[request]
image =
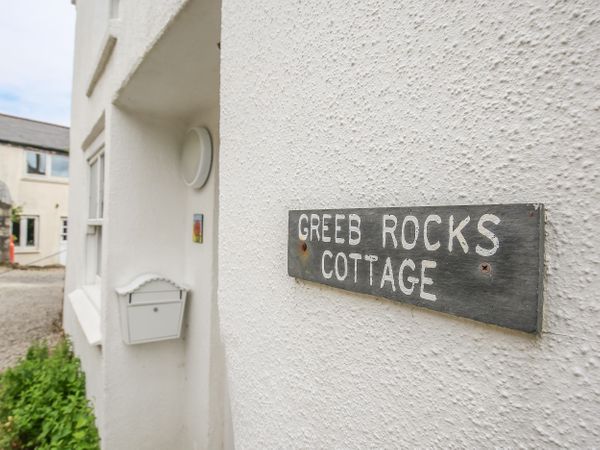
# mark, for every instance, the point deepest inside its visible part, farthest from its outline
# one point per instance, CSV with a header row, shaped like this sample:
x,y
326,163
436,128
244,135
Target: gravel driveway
x,y
30,309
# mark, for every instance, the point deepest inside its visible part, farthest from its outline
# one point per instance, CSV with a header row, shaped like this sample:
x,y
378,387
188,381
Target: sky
x,y
36,59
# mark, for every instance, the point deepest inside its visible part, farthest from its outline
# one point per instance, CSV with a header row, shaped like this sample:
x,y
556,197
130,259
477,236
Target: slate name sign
x,y
482,262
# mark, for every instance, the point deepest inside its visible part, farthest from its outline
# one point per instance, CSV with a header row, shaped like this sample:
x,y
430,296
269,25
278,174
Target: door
x,y
62,245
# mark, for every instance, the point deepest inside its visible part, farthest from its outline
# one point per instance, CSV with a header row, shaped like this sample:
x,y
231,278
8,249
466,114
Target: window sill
x,y
25,251
95,222
86,305
45,179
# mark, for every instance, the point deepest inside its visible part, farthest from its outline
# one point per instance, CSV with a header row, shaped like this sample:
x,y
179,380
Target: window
x,y
47,164
95,215
60,166
97,187
64,223
86,300
25,233
36,163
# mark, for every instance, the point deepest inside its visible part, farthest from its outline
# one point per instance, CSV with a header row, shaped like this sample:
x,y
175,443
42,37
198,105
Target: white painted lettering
x,y
412,280
388,274
302,230
457,233
326,275
371,259
488,234
338,228
389,229
325,228
355,257
314,226
353,229
425,280
337,266
428,245
405,244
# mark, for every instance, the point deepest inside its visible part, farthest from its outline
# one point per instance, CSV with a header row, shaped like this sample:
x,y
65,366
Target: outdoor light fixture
x,y
196,157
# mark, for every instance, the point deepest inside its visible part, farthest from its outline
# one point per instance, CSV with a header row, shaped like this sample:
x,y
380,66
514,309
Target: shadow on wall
x,y
173,88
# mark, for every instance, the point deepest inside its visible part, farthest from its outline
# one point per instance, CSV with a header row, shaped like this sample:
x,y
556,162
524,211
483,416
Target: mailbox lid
x,y
152,288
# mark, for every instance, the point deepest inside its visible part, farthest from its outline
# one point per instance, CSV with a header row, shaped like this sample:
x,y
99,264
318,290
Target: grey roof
x,y
5,198
31,133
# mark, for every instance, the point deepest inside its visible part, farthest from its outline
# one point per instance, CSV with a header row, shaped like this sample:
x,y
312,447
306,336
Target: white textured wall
x,y
143,232
386,103
164,395
133,40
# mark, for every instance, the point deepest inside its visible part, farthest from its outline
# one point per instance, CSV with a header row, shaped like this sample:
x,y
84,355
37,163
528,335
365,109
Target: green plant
x,y
15,217
43,403
15,213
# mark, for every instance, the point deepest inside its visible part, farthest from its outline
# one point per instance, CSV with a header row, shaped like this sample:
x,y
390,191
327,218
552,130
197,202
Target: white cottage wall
x,y
84,114
341,105
381,103
205,366
144,222
153,395
133,41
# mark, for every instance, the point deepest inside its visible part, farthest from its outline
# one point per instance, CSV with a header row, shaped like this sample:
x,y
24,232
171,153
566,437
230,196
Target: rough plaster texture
x,y
137,29
150,396
380,103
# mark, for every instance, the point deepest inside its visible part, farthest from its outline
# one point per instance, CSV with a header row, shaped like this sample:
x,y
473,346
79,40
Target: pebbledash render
x,y
197,126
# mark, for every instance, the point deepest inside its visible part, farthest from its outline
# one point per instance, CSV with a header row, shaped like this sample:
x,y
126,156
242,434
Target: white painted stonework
x,y
335,105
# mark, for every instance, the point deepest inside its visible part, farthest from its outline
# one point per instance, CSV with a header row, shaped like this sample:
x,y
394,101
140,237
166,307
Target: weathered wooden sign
x,y
482,262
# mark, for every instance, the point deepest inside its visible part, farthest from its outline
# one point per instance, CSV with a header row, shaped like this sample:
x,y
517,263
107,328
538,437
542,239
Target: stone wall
x,y
5,230
5,223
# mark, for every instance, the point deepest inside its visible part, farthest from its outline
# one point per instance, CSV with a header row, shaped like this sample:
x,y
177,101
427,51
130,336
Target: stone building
x,y
313,105
5,222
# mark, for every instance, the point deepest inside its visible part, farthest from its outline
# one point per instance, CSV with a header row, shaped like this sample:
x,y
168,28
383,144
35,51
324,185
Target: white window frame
x,y
86,299
97,216
22,246
48,169
95,220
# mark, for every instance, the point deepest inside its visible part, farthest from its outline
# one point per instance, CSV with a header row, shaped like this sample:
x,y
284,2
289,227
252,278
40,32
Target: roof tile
x,y
18,130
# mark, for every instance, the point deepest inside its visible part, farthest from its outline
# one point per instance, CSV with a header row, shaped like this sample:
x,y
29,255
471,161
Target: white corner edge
x,y
106,50
87,315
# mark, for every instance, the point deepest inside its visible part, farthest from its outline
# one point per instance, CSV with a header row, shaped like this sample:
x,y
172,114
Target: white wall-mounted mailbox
x,y
151,309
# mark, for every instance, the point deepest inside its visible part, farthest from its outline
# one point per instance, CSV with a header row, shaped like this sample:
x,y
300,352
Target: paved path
x,y
30,309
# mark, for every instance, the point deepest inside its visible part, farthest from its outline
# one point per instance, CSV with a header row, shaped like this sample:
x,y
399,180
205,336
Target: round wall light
x,y
196,157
